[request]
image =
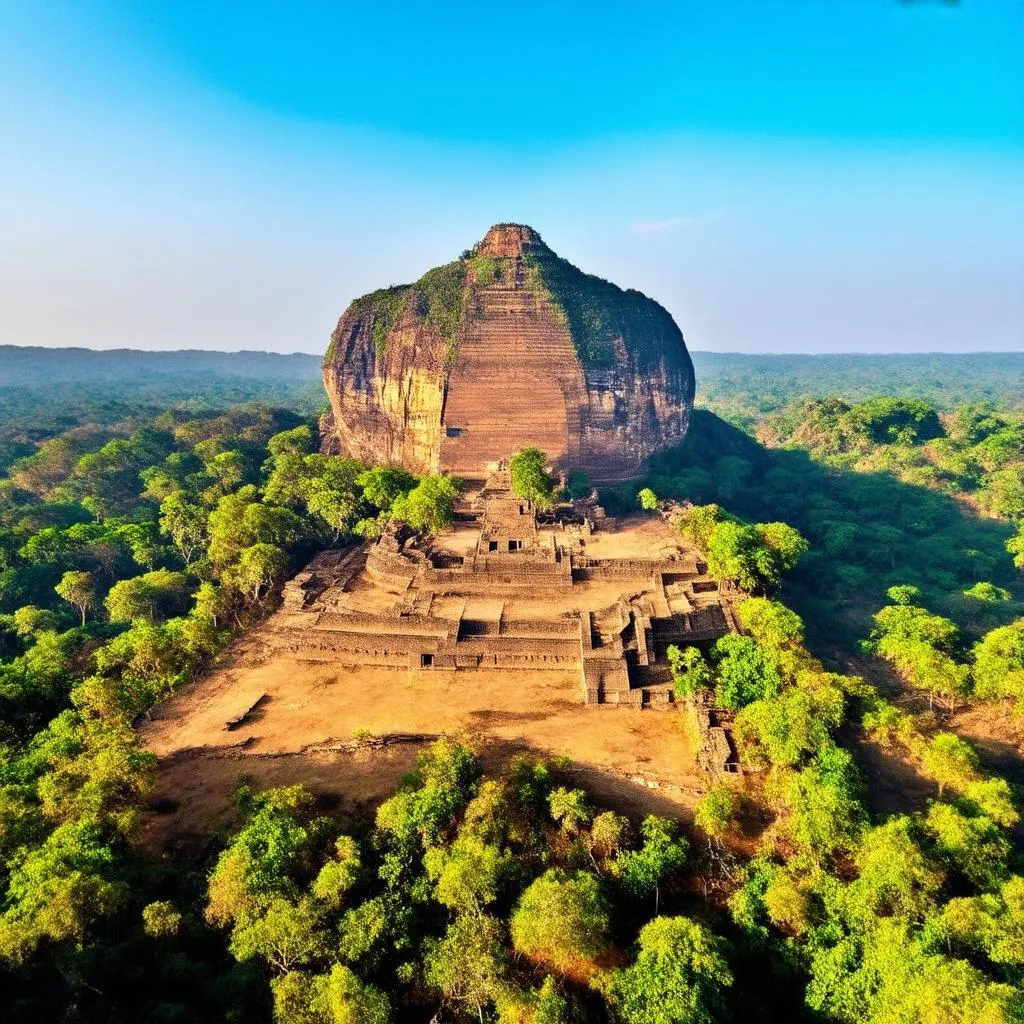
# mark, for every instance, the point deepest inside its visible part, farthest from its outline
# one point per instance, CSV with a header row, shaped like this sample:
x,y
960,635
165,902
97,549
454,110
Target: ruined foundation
x,y
505,588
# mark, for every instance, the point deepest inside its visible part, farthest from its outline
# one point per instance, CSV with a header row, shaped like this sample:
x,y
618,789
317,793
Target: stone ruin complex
x,y
509,347
509,588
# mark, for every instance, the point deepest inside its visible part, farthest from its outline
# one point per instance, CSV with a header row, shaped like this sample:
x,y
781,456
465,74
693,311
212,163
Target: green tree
x,y
59,889
823,814
570,808
185,522
430,505
78,589
974,845
1015,545
785,729
258,568
663,852
648,499
746,672
530,478
338,876
152,596
895,875
382,485
998,668
699,522
577,484
160,919
341,998
286,935
467,875
561,918
468,965
679,977
716,812
950,761
332,491
889,975
691,674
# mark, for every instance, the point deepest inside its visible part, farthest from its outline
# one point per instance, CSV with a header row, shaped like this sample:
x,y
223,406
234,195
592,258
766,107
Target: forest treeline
x,y
46,391
878,540
744,389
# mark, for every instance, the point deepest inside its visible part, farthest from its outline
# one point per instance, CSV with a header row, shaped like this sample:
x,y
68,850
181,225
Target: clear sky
x,y
799,175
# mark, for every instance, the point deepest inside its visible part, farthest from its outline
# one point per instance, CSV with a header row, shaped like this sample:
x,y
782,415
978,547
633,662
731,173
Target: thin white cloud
x,y
655,227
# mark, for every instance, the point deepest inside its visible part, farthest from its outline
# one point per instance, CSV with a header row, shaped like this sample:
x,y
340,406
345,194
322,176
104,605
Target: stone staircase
x,y
518,382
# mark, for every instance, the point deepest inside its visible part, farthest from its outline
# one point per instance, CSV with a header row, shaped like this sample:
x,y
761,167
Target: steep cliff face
x,y
507,347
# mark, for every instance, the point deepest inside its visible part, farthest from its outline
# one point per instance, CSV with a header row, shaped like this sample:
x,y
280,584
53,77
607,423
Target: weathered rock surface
x,y
506,347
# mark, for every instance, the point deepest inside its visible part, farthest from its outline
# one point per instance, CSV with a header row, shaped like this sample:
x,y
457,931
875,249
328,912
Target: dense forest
x,y
45,391
881,540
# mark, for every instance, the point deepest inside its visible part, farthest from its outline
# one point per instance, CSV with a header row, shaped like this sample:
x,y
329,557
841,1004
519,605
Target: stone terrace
x,y
506,589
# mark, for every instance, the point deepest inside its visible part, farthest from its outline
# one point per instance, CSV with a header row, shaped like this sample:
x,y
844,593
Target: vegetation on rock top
x,y
597,312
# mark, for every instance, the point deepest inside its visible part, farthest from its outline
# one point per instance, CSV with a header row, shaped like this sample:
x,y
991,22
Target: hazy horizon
x,y
784,180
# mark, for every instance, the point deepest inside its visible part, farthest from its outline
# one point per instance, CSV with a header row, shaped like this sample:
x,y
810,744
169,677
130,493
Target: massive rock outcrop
x,y
508,346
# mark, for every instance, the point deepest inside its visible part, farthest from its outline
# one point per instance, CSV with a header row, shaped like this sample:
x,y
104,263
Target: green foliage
x,y
648,499
468,875
754,558
680,974
691,674
384,308
577,484
383,485
430,505
78,589
485,269
597,312
442,296
973,845
160,918
998,668
822,813
152,596
561,919
889,976
745,671
715,813
444,780
663,852
784,730
896,878
1015,545
258,568
468,965
950,761
904,595
570,808
530,478
917,644
985,591
341,998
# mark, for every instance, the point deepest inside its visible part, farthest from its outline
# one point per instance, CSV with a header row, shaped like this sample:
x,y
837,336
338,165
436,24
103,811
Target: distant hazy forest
x,y
44,391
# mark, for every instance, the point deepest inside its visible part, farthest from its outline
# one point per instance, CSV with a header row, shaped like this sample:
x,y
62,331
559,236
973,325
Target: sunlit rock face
x,y
507,346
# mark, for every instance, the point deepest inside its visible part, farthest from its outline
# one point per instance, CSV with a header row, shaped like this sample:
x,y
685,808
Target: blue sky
x,y
807,175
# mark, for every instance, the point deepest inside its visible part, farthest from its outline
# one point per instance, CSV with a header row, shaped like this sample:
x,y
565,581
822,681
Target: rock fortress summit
x,y
508,346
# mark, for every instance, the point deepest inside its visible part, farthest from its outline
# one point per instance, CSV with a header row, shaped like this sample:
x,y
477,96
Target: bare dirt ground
x,y
637,761
311,713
